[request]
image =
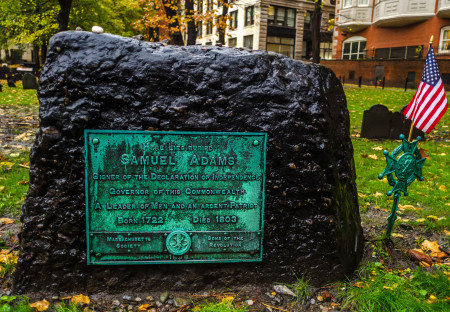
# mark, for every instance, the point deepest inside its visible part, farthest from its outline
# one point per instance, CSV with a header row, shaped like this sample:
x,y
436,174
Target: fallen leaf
x,y
143,307
361,195
419,256
40,305
373,156
2,188
397,235
432,218
23,182
442,188
377,148
80,299
320,298
438,255
430,246
4,221
423,153
387,287
447,232
378,194
420,220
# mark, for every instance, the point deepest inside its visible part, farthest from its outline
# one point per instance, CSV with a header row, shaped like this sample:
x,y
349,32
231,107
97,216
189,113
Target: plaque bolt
x,y
256,142
92,251
95,141
129,250
92,235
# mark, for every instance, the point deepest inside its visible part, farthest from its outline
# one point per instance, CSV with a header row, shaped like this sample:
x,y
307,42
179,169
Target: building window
x,y
232,42
209,28
347,3
363,2
444,40
248,42
354,48
284,46
234,19
249,16
281,16
326,50
199,29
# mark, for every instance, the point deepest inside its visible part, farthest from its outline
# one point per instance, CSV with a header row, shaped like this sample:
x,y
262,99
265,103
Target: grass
x,y
301,290
428,197
13,182
404,290
226,304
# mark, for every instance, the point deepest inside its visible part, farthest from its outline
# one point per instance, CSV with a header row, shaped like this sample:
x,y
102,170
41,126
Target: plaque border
x,y
150,262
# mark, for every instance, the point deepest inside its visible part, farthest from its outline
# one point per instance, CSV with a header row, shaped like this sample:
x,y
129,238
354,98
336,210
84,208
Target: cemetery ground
x,y
410,272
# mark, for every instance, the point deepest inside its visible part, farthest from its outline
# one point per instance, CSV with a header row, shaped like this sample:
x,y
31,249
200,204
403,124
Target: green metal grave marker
x,y
407,168
174,197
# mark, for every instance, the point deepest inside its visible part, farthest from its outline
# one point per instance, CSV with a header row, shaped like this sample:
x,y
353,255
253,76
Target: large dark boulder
x,y
100,81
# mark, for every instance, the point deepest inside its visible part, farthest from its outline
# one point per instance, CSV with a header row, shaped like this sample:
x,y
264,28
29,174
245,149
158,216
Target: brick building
x,y
376,39
281,26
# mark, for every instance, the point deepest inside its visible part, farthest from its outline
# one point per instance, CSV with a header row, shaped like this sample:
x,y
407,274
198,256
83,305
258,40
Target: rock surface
x,y
100,81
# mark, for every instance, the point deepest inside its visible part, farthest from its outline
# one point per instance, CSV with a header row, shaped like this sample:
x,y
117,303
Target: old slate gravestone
x,y
100,81
29,81
380,123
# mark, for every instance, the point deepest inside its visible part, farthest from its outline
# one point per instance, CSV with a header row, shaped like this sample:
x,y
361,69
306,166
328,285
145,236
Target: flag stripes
x,y
429,103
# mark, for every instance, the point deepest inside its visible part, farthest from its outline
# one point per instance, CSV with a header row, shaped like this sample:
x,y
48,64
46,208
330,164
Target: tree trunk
x,y
177,38
223,22
43,53
35,56
63,15
191,31
315,31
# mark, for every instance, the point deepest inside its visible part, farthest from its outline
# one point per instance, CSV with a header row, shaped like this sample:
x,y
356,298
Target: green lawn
x,y
430,195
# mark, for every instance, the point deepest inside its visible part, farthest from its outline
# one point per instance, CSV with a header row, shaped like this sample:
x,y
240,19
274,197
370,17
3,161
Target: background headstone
x,y
376,122
10,80
100,81
3,71
380,123
29,81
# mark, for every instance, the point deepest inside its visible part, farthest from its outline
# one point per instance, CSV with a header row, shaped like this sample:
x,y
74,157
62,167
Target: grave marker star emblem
x,y
407,168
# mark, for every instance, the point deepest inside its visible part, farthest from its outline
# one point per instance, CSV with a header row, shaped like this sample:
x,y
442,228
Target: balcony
x,y
354,19
397,13
444,9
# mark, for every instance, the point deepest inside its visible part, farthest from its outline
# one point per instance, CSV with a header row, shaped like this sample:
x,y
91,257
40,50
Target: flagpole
x,y
412,124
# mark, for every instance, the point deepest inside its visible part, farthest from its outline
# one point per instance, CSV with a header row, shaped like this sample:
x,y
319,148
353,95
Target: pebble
x,y
115,302
8,292
313,301
125,297
163,297
249,302
137,299
170,301
179,301
130,307
159,304
55,298
284,290
97,30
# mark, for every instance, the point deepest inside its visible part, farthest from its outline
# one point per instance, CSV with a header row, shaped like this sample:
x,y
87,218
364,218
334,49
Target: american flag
x,y
429,103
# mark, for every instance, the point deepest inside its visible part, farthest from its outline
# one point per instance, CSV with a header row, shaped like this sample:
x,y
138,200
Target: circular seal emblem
x,y
405,166
178,242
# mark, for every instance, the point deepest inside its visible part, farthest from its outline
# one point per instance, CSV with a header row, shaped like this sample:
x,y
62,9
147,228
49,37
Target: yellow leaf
x,y
387,287
378,194
7,163
397,235
144,307
447,232
430,246
433,298
432,218
361,195
373,156
442,188
420,220
80,299
2,188
40,305
377,148
6,221
231,298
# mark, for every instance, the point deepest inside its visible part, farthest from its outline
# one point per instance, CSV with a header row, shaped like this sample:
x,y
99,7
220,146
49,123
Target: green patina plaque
x,y
174,197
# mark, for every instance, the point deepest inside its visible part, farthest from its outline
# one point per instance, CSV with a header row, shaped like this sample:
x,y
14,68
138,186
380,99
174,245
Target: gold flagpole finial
x,y
431,40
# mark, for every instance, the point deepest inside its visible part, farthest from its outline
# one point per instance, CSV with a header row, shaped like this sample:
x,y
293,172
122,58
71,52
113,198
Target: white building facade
x,y
281,26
